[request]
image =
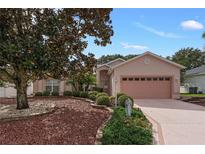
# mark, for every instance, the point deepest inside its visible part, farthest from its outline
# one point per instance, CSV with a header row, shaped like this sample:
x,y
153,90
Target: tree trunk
x,y
22,101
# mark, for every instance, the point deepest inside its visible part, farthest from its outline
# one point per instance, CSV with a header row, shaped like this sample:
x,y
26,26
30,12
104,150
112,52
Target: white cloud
x,y
158,32
134,46
191,25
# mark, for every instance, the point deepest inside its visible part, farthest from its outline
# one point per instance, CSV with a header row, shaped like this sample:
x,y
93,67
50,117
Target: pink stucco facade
x,y
147,65
40,86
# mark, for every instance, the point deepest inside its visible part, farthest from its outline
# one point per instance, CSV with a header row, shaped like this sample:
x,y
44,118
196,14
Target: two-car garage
x,y
147,76
146,86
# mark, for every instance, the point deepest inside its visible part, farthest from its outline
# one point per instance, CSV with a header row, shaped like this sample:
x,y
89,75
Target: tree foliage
x,y
106,58
38,43
188,57
82,81
1,83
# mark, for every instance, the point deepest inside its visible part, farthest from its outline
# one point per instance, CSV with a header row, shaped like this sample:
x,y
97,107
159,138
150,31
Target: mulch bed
x,y
194,100
73,122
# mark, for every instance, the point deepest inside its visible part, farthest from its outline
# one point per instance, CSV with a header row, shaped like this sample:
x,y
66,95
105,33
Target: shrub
x,y
38,94
92,93
123,98
76,93
98,89
67,93
119,94
83,94
101,94
55,93
103,100
92,97
127,130
112,100
46,93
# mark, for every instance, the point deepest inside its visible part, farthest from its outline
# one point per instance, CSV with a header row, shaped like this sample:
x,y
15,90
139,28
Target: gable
x,y
152,55
147,64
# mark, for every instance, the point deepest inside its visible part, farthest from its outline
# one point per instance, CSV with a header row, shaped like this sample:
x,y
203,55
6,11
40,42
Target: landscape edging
x,y
99,134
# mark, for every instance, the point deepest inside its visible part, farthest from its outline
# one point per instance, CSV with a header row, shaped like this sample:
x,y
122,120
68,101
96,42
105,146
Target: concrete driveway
x,y
177,122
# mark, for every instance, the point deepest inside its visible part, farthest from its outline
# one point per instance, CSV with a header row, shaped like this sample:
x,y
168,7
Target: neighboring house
x,y
195,78
51,85
145,76
9,91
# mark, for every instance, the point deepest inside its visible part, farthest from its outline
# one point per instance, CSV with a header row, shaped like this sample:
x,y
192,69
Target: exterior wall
x,y
40,86
196,81
98,74
148,66
10,92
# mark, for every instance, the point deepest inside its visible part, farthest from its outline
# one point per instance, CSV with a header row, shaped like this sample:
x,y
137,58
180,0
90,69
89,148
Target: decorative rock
x,y
9,112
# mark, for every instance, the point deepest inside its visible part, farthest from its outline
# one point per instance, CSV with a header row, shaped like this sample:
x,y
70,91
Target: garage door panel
x,y
147,89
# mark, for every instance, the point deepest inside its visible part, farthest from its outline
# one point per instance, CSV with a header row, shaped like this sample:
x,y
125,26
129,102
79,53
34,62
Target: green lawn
x,y
127,130
193,95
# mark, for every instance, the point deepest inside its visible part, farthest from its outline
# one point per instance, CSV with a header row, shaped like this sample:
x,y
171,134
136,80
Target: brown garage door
x,y
146,87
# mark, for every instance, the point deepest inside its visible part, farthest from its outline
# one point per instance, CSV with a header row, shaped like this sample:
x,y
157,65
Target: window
x,y
130,79
167,78
137,79
52,85
161,78
155,79
124,79
149,79
142,79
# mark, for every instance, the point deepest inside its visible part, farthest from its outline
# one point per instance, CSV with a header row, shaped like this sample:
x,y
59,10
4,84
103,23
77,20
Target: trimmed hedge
x,y
46,93
83,94
123,98
55,93
67,93
38,94
98,89
112,100
103,100
93,93
124,130
101,94
92,97
119,94
76,93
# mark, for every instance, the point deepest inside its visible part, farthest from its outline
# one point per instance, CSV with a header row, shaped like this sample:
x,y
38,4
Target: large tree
x,y
83,77
37,43
188,57
106,58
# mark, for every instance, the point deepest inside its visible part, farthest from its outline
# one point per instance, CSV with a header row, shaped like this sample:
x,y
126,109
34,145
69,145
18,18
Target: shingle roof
x,y
197,70
108,64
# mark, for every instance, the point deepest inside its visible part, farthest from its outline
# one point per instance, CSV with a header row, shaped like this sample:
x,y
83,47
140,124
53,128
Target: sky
x,y
161,31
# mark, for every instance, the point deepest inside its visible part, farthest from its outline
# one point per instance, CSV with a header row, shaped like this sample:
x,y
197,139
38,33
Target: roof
x,y
152,54
109,63
196,71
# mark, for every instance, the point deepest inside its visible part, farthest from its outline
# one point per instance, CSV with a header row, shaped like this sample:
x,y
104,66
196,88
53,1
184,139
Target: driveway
x,y
177,122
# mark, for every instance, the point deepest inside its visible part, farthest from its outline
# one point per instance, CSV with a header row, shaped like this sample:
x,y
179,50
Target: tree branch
x,y
5,76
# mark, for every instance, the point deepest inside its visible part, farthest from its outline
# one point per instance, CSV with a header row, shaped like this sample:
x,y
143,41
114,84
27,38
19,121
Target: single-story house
x,y
145,76
9,91
52,85
195,78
